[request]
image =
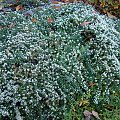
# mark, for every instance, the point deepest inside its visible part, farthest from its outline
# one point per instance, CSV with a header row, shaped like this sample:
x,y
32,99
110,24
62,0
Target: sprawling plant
x,y
50,57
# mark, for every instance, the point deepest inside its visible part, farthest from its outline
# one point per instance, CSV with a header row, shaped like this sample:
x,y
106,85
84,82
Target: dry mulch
x,y
112,9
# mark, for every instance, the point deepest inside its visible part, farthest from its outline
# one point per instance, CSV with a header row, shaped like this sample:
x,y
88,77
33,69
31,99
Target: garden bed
x,y
53,56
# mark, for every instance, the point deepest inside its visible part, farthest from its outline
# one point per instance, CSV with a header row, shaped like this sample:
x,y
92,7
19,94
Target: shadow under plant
x,y
49,61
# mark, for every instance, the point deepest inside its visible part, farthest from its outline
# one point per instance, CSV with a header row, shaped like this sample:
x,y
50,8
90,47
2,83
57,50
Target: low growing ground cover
x,y
57,61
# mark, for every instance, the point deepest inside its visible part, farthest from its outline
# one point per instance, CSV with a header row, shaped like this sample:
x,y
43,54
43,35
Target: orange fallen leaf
x,y
102,4
34,20
105,11
84,23
50,20
19,7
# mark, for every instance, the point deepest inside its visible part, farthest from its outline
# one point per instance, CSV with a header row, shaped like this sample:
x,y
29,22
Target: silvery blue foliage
x,y
44,65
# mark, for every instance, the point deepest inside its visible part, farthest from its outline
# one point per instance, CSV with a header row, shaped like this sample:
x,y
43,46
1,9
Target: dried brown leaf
x,y
19,7
95,114
34,20
11,25
1,27
56,7
88,118
87,115
84,23
90,84
1,6
50,20
110,15
54,2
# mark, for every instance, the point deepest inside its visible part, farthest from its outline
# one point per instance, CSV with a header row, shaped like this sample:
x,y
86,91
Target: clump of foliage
x,y
51,58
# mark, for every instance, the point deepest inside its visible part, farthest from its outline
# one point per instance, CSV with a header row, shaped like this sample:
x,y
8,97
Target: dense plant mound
x,y
51,57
